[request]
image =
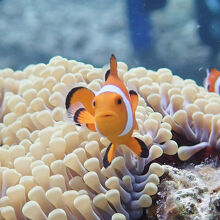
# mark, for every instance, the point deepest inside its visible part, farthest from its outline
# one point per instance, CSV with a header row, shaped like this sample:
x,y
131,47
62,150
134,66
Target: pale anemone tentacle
x,y
188,108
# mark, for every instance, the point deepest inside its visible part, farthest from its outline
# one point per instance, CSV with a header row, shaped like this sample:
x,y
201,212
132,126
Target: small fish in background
x,y
212,81
110,112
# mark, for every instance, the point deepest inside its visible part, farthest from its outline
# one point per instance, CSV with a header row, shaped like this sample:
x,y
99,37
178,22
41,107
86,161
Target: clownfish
x,y
212,81
110,112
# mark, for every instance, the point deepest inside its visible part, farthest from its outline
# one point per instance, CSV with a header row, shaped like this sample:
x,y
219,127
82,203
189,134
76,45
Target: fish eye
x,y
119,101
93,103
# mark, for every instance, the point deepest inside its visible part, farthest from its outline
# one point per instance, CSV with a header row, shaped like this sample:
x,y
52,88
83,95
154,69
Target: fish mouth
x,y
105,115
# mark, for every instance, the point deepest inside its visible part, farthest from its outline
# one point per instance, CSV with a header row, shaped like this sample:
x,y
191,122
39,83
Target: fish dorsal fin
x,y
113,66
107,74
134,100
217,85
213,71
112,70
134,103
113,79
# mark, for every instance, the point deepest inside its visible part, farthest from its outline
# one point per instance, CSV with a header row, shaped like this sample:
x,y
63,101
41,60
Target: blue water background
x,y
89,31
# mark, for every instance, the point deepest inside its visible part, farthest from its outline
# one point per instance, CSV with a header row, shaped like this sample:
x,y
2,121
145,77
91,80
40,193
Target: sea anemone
x,y
52,169
192,112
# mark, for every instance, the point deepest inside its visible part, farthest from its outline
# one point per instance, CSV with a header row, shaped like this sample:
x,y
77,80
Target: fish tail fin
x,y
109,155
79,114
138,147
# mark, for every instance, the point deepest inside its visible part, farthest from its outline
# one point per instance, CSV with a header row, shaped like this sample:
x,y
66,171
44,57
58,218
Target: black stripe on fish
x,y
132,92
77,113
106,163
144,149
70,95
107,74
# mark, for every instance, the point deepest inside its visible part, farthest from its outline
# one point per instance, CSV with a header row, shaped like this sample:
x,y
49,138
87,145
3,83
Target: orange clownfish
x,y
212,81
110,112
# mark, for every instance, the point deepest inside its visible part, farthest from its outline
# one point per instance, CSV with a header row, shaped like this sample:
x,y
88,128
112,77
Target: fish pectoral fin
x,y
91,127
83,95
134,100
138,147
109,155
80,115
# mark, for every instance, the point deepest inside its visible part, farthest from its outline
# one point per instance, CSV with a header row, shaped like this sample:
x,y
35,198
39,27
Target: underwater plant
x,y
53,169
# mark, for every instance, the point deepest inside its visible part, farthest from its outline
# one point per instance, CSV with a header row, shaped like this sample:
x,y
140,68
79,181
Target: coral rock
x,y
191,193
